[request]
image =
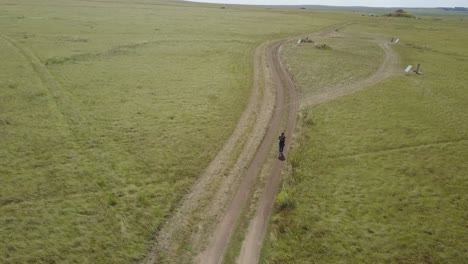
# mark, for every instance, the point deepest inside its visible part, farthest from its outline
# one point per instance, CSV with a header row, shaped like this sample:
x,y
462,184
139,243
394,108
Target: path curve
x,y
286,104
385,70
252,244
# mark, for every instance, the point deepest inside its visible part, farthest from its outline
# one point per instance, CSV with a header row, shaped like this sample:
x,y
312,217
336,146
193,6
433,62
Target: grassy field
x,y
380,176
110,110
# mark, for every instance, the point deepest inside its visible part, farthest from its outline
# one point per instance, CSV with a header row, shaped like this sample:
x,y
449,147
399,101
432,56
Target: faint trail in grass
x,y
418,146
118,50
125,49
77,195
47,79
385,70
77,126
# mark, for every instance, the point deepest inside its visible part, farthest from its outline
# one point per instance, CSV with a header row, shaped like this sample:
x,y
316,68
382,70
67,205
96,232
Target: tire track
x,y
77,127
215,251
250,251
48,81
286,105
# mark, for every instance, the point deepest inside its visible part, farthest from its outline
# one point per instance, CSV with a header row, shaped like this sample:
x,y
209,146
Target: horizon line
x,y
427,7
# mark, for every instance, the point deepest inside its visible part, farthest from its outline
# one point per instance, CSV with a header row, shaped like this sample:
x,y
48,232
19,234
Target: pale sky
x,y
372,3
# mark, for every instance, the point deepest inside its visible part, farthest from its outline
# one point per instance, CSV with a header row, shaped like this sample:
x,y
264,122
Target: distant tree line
x,y
454,8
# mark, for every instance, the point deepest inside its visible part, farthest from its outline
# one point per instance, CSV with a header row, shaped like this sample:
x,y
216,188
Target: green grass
x,y
109,111
380,176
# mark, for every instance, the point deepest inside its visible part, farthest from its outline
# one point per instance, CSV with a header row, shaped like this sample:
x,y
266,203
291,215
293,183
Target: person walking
x,y
282,140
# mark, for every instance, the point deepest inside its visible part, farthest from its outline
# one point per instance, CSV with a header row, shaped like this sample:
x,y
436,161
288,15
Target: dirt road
x,y
251,247
285,111
215,251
